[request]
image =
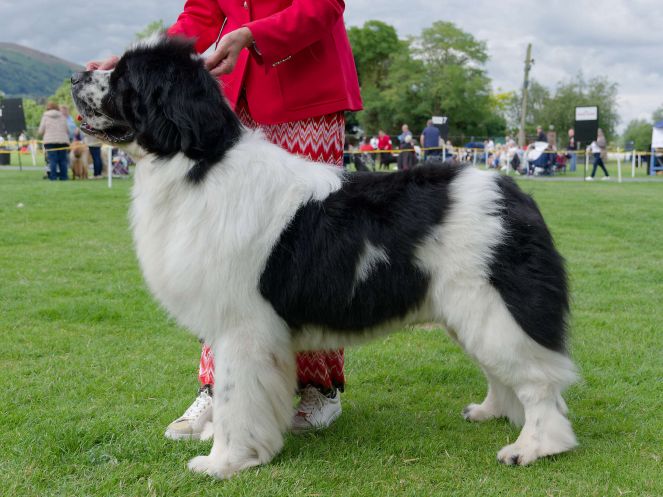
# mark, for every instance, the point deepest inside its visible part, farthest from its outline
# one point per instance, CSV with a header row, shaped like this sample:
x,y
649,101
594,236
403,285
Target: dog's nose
x,y
77,77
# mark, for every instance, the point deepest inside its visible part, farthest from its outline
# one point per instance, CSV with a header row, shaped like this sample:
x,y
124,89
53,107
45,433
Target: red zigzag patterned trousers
x,y
319,139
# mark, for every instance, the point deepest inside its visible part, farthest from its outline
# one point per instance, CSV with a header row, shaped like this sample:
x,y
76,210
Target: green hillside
x,y
29,73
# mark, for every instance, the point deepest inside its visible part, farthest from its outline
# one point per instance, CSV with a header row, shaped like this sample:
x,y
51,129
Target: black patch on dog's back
x,y
528,271
310,275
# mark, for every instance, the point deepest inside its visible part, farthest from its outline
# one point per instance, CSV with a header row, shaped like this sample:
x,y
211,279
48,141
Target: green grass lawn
x,y
92,370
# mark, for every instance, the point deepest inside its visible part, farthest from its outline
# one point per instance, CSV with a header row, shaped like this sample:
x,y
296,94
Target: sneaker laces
x,y
202,401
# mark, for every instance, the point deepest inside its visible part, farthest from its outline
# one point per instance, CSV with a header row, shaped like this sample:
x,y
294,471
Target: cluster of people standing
x,y
411,149
542,154
58,131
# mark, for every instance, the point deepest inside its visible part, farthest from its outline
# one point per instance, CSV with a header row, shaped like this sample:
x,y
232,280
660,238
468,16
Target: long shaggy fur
x,y
261,254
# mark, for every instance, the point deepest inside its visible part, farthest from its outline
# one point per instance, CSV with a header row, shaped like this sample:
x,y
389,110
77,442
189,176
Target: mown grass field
x,y
92,370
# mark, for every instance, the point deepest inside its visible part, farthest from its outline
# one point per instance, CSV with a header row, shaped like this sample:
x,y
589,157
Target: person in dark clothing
x,y
430,138
407,158
540,135
599,149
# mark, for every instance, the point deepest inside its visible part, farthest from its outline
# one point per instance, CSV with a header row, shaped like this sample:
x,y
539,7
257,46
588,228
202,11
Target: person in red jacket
x,y
286,67
384,143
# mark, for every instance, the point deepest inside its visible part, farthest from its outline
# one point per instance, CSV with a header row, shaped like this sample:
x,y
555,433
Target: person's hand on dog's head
x,y
102,65
224,58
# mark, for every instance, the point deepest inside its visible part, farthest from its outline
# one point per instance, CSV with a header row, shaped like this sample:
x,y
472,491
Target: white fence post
x,y
619,166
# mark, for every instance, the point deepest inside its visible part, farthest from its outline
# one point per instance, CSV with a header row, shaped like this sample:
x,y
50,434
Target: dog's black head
x,y
160,96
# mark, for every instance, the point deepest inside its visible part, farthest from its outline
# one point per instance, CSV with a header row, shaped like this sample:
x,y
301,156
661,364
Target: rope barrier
x,y
15,143
4,150
483,150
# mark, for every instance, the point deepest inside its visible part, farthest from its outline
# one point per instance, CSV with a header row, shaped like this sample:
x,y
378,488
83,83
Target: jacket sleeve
x,y
42,127
65,129
294,28
200,19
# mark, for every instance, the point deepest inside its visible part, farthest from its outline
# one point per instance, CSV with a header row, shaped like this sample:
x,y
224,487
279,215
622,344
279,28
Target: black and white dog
x,y
261,253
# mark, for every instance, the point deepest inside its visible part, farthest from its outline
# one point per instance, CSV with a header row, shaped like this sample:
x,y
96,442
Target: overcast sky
x,y
619,39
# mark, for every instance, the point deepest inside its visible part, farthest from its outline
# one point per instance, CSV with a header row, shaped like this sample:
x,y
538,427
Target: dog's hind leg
x,y
255,384
501,401
522,375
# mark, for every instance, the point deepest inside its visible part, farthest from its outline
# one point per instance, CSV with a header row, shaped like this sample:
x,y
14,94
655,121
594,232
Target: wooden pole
x,y
523,109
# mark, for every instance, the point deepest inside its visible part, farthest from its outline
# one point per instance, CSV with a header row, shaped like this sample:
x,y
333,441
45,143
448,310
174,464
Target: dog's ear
x,y
180,106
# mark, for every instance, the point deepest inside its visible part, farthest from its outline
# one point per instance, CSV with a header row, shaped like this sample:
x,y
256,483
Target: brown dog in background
x,y
79,157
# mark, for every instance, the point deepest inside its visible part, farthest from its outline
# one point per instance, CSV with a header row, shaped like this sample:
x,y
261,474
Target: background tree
x,y
33,112
538,97
454,81
150,29
557,108
62,96
638,131
657,115
374,47
440,72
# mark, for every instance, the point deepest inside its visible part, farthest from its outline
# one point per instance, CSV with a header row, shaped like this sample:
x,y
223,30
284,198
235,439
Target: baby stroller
x,y
540,161
121,162
560,163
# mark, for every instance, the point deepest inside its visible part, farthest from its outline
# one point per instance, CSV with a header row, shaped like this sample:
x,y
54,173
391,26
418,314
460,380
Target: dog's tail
x,y
528,271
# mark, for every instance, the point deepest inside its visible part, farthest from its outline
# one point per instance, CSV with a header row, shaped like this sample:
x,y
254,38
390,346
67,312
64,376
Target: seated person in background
x,y
407,158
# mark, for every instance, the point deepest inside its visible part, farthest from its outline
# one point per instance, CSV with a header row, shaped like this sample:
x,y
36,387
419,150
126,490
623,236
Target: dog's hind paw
x,y
517,455
210,466
476,412
220,468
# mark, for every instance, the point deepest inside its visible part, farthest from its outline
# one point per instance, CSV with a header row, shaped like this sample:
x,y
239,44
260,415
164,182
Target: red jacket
x,y
384,142
303,66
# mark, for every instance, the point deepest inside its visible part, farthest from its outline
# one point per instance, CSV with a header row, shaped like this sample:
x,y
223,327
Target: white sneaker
x,y
606,178
589,178
192,423
316,411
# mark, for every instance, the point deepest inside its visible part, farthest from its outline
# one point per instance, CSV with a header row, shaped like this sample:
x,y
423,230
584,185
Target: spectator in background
x,y
384,143
405,133
53,128
430,138
94,145
540,135
513,158
71,124
572,148
449,146
365,146
364,160
407,158
599,149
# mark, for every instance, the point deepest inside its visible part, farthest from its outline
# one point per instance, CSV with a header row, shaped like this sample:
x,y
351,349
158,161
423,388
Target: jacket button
x,y
246,5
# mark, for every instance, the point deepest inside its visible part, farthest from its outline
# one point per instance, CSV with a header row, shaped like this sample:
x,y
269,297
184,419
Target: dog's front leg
x,y
255,384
